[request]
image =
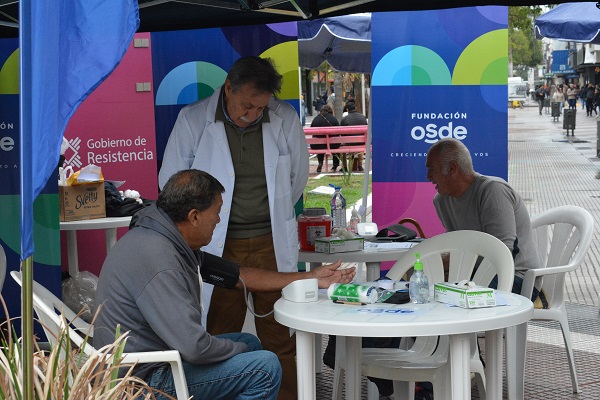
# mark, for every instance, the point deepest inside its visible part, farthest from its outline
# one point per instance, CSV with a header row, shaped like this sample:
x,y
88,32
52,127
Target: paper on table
x,y
389,245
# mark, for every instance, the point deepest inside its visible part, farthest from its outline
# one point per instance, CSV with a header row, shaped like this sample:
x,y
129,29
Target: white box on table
x,y
332,244
463,296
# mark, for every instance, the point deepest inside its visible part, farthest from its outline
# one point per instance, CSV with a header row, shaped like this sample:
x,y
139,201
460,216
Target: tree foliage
x,y
523,49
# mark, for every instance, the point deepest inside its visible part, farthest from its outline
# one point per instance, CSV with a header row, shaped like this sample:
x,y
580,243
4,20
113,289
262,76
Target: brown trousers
x,y
228,309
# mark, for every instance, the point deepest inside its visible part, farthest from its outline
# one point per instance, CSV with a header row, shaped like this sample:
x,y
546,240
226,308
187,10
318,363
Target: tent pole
x,y
362,92
367,168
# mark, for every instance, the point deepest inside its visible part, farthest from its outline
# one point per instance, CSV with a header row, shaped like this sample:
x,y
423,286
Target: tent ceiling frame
x,y
243,5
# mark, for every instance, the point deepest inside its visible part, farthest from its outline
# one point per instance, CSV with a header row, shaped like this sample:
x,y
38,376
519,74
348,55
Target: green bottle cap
x,y
418,264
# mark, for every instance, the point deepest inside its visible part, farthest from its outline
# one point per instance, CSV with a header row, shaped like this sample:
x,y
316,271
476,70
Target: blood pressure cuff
x,y
395,233
219,271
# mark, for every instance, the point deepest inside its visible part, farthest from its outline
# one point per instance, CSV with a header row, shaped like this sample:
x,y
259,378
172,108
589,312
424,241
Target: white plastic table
x,y
109,224
384,320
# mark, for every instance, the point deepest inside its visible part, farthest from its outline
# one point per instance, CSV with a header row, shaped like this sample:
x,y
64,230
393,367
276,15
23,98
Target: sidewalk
x,y
550,169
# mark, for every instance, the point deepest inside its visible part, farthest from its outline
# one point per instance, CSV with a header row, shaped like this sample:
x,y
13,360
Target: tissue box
x,y
85,201
336,245
465,297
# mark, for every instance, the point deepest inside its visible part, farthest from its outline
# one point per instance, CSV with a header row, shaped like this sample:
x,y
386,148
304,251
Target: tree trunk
x,y
338,104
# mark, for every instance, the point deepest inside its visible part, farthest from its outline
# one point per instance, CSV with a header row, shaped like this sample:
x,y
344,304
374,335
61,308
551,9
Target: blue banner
x,y
436,74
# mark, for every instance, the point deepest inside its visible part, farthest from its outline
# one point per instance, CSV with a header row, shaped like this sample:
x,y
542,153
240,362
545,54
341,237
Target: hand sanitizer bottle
x,y
418,287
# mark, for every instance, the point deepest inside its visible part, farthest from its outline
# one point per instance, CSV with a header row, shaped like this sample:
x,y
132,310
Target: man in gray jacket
x,y
151,284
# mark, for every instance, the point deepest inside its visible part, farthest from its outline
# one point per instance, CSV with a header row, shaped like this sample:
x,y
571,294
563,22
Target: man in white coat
x,y
254,145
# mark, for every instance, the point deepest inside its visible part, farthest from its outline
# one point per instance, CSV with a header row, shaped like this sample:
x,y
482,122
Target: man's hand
x,y
331,273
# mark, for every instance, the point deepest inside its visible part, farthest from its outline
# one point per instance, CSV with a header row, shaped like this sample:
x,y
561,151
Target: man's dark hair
x,y
256,71
351,106
187,190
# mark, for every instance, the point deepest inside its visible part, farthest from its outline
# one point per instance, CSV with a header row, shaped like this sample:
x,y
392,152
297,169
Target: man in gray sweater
x,y
468,200
151,285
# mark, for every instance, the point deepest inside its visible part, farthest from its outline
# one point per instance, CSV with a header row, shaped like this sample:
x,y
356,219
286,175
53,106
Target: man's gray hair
x,y
260,73
451,149
186,190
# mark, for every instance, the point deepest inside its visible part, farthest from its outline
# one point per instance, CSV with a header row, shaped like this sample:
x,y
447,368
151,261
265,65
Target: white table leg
x,y
493,365
318,353
111,238
318,338
516,346
305,364
460,367
353,367
373,271
72,256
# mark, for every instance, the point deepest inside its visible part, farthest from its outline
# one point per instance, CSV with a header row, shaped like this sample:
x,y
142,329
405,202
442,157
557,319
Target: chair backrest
x,y
52,313
464,249
563,235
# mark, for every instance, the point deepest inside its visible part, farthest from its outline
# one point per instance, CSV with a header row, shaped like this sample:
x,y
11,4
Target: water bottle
x,y
418,288
338,208
354,220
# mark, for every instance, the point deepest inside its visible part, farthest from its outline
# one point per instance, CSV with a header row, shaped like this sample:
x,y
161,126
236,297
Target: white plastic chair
x,y
51,311
427,359
563,235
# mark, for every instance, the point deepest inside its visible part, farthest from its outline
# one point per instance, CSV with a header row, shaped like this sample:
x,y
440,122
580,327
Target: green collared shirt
x,y
249,214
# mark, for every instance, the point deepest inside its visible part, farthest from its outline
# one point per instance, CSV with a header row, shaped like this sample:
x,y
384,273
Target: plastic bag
x,y
79,293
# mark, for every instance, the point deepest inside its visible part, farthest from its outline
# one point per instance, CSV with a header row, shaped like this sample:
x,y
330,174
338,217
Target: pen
x,y
352,303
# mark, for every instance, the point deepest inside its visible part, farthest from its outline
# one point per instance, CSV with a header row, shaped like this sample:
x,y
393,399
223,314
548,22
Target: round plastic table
x,y
433,318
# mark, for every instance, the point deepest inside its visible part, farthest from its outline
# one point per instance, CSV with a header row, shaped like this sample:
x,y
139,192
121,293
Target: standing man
x,y
468,200
254,145
540,95
353,118
572,97
151,286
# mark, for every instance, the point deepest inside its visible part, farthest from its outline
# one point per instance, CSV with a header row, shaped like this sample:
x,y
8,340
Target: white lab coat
x,y
198,141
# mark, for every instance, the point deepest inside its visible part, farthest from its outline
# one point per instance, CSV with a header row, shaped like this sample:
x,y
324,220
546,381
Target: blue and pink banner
x,y
436,74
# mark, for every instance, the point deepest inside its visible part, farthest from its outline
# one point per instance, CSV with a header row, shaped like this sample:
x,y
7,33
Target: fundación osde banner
x,y
436,74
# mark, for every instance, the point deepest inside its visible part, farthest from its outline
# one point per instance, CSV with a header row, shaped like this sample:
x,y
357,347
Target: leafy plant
x,y
64,372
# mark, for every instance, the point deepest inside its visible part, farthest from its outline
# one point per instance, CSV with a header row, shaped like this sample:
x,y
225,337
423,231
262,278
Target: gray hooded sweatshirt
x,y
149,285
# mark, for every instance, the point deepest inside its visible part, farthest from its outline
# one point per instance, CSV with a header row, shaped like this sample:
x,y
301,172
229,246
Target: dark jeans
x,y
517,285
336,160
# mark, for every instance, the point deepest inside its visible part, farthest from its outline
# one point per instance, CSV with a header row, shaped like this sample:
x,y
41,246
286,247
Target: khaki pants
x,y
228,308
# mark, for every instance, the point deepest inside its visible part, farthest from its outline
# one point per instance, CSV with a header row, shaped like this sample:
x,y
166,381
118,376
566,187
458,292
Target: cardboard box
x,y
80,202
465,297
336,245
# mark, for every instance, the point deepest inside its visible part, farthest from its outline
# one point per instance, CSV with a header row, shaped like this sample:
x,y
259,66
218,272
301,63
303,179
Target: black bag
x,y
395,233
116,206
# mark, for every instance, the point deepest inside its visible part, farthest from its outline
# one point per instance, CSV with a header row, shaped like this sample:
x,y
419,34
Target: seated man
x,y
151,285
468,200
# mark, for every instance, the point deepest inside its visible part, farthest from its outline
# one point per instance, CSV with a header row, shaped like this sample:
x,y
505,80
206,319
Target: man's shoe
x,y
335,167
360,169
319,167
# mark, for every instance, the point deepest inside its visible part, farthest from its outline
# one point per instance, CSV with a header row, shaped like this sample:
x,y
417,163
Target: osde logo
x,y
431,133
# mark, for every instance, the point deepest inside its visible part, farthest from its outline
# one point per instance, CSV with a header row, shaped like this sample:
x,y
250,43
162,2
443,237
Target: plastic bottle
x,y
338,208
354,220
418,287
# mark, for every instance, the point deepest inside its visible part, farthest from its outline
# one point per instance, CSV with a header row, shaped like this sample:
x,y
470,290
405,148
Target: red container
x,y
313,223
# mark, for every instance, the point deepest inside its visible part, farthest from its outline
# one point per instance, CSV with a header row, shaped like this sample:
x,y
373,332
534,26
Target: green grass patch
x,y
352,189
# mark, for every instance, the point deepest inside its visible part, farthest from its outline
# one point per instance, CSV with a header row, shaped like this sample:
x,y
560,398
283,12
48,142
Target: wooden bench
x,y
352,140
